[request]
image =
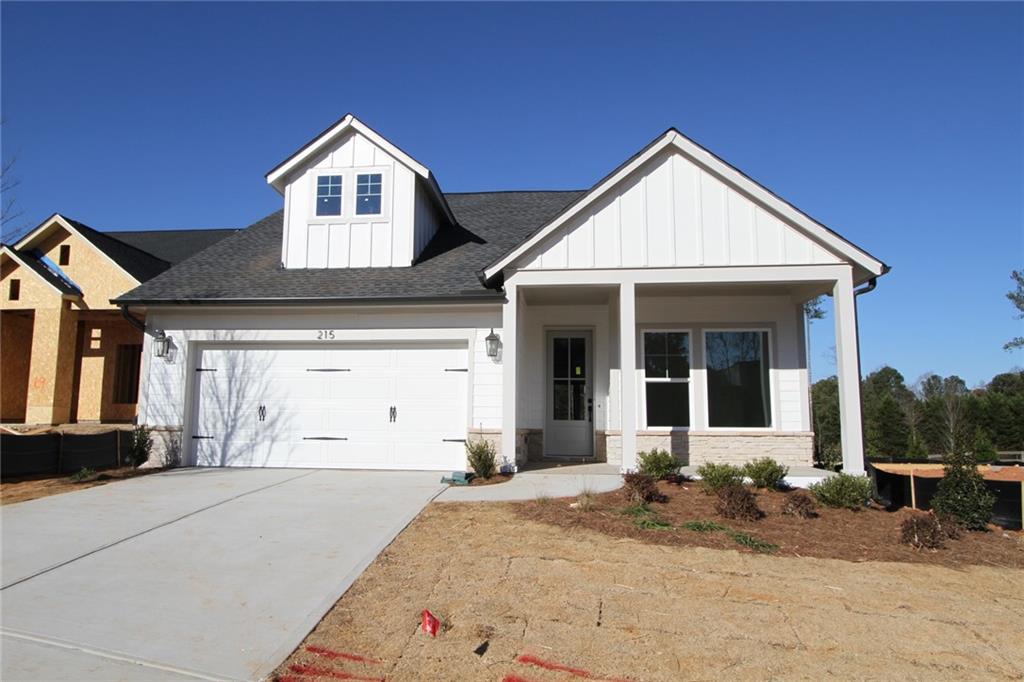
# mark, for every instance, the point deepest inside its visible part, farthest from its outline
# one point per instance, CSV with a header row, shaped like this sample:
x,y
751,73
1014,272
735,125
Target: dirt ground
x,y
525,600
33,488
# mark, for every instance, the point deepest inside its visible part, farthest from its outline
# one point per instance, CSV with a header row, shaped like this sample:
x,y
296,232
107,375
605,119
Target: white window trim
x,y
644,380
348,195
771,381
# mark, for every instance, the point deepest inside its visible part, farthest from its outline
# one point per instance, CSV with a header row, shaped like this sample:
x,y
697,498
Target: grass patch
x,y
542,499
638,510
750,542
704,526
652,523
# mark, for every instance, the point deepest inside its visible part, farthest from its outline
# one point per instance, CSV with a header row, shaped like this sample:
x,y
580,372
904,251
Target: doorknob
x,y
392,414
590,409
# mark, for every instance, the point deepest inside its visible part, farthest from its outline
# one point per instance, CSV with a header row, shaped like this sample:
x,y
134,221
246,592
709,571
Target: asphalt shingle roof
x,y
172,246
134,261
246,266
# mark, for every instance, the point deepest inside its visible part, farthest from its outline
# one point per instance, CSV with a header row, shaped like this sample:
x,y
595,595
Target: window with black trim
x,y
65,254
739,388
328,195
14,290
368,193
126,373
667,378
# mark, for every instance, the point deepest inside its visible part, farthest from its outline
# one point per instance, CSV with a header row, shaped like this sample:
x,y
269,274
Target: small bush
x,y
923,531
704,526
714,477
765,472
962,495
642,488
586,500
542,499
842,491
829,457
660,464
950,525
82,474
750,542
140,444
736,501
801,505
482,458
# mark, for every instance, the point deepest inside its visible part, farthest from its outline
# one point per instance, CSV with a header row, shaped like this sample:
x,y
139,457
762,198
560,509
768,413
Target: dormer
x,y
354,200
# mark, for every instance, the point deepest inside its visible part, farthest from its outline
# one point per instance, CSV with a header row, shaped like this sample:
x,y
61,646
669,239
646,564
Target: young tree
x,y
825,406
1016,297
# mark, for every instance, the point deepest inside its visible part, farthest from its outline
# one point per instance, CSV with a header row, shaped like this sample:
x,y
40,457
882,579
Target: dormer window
x,y
368,193
328,195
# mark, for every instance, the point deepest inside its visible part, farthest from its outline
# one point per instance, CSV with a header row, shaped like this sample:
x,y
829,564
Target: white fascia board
x,y
58,219
275,178
10,253
708,161
729,274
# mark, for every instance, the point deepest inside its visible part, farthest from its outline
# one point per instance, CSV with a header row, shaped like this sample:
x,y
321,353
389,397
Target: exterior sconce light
x,y
161,344
493,342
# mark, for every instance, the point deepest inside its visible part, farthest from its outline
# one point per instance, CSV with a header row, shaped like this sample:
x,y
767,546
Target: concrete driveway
x,y
194,573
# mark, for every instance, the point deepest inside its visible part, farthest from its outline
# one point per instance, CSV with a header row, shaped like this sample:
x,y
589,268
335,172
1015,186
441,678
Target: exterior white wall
x,y
393,239
165,393
672,213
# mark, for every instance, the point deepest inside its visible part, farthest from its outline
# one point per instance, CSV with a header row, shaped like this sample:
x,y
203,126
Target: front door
x,y
569,429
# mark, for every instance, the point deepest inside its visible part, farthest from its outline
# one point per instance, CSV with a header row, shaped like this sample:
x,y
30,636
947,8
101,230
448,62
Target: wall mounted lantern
x,y
161,344
493,342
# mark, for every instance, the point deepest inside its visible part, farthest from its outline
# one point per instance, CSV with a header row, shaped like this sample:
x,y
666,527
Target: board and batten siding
x,y
673,213
393,239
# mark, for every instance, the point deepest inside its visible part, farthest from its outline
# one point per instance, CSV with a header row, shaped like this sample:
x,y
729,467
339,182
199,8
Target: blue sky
x,y
899,125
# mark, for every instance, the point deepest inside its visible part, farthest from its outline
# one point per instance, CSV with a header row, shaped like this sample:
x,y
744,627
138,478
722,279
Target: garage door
x,y
364,407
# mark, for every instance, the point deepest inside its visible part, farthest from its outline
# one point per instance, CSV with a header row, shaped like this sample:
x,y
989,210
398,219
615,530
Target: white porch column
x,y
627,365
848,373
509,315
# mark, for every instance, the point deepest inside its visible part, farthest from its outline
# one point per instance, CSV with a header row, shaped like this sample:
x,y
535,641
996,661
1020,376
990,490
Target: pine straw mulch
x,y
869,534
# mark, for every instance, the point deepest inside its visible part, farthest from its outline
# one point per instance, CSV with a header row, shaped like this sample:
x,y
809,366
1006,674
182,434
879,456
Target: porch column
x,y
509,315
627,365
848,373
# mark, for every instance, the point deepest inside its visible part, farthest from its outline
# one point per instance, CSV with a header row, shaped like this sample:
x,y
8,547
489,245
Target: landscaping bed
x,y
553,599
868,534
22,490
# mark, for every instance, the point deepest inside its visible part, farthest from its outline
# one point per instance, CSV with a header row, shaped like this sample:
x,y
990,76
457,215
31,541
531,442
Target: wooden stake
x,y
913,493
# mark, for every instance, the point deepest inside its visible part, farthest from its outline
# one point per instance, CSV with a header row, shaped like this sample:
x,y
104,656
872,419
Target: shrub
x,y
586,500
736,501
962,494
923,531
714,477
82,474
642,488
983,449
801,505
829,457
842,490
482,457
140,444
765,472
660,464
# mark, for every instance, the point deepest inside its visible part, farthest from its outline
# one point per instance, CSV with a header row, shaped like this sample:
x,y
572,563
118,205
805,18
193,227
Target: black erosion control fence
x,y
61,453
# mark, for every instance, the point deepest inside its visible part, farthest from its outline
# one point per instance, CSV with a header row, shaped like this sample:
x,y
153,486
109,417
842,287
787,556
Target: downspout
x,y
132,320
866,289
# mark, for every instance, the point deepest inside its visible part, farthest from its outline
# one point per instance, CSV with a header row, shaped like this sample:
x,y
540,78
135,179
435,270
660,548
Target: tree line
x,y
935,415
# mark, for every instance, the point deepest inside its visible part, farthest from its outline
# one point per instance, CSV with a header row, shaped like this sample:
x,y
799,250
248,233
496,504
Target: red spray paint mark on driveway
x,y
512,677
530,659
302,669
330,653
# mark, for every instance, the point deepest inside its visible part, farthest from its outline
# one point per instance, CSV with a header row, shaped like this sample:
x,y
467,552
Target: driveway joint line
x,y
157,527
99,653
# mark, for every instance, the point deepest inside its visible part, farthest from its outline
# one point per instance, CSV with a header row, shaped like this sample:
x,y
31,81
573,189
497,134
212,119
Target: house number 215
x,y
325,334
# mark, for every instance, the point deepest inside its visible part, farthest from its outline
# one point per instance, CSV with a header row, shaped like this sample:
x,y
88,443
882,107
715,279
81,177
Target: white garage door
x,y
364,407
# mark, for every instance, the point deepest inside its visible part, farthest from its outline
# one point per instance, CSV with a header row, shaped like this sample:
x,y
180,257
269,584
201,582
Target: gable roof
x,y
245,268
276,176
172,246
29,261
704,159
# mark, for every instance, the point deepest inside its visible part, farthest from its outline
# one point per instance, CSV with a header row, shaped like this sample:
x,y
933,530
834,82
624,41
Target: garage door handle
x,y
453,440
323,438
202,437
327,369
393,414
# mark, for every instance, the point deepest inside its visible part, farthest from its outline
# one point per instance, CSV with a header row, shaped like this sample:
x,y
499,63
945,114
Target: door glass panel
x,y
577,357
578,395
561,358
561,399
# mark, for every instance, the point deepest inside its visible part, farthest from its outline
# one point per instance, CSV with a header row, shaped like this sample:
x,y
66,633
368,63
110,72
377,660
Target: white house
x,y
377,322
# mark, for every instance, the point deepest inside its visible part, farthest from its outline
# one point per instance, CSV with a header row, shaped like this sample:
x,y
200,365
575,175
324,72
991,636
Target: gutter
x,y
132,320
869,287
447,300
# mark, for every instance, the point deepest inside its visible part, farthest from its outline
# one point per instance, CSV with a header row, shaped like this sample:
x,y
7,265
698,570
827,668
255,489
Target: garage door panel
x,y
305,411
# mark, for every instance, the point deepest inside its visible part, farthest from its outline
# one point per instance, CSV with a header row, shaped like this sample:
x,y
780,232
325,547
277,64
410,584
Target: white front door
x,y
371,406
569,428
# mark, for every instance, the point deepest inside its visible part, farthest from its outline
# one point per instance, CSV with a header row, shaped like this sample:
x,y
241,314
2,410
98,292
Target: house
x,y
378,322
68,354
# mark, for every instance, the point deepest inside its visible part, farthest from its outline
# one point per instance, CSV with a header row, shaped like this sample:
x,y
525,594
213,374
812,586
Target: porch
x,y
716,365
